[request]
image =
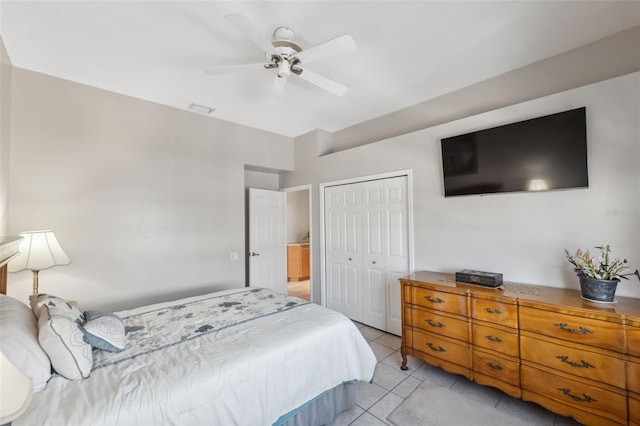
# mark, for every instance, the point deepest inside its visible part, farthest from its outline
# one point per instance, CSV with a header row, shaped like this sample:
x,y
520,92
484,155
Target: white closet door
x,y
397,248
343,222
366,232
374,248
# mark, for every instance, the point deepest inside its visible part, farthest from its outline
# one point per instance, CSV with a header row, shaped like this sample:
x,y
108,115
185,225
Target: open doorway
x,y
298,237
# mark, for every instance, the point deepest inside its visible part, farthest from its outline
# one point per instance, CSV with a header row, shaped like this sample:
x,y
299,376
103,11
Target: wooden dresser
x,y
547,345
632,326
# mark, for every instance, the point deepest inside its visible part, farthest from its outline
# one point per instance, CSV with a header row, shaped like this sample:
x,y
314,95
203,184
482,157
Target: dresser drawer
x,y
585,397
495,339
498,367
634,412
443,348
497,312
588,331
440,301
633,376
633,337
407,337
578,361
440,324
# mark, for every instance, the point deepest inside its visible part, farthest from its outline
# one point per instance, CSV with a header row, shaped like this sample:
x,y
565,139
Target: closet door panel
x,y
397,234
374,227
375,298
374,254
397,248
343,251
351,234
394,305
334,285
353,294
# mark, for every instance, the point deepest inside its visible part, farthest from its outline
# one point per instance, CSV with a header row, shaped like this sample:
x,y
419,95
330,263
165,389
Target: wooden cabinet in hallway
x,y
297,262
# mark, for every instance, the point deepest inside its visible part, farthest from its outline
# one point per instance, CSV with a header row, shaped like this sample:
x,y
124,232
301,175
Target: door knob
x,y
253,253
374,262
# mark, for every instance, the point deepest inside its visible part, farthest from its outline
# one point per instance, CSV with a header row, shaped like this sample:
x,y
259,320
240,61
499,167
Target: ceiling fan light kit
x,y
287,57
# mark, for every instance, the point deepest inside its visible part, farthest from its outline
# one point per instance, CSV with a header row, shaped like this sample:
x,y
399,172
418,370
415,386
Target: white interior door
x,y
343,254
267,248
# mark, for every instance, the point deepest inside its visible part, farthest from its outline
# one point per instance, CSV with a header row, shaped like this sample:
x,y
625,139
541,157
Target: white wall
x,y
261,180
147,200
521,235
297,215
5,135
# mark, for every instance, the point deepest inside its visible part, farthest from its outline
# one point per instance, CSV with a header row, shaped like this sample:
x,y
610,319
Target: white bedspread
x,y
242,372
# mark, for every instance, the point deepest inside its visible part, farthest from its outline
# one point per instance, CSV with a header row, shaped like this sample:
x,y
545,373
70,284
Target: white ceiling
x,y
408,51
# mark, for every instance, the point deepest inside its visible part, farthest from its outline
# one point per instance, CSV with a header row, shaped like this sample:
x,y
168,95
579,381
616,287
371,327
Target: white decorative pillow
x,y
37,302
62,339
104,330
19,341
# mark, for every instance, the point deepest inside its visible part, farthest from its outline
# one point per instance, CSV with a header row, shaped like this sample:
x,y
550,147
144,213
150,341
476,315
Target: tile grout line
x,y
387,342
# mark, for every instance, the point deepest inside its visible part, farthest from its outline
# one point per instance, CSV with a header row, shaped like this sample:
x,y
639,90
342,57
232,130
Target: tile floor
x,y
301,289
375,401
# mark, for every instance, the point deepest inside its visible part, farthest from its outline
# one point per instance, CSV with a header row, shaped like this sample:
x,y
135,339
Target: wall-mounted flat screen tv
x,y
540,154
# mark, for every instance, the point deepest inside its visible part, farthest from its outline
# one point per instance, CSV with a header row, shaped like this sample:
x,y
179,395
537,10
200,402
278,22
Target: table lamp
x,y
38,250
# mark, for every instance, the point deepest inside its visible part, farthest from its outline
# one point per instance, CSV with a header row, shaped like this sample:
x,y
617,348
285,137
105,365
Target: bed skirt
x,y
322,409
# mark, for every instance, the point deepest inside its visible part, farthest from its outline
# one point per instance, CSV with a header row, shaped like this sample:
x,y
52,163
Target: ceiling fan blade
x,y
325,83
249,31
337,46
225,69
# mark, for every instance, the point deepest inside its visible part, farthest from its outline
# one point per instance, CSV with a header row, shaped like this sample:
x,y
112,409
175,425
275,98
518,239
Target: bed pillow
x,y
104,330
62,339
37,302
19,341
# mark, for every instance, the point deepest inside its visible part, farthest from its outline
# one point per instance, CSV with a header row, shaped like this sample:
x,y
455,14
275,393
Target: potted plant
x,y
599,278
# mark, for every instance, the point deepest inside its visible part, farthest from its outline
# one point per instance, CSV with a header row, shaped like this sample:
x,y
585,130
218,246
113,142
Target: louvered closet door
x,y
343,227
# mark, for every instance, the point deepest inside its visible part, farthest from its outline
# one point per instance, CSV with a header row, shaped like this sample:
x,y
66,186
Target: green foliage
x,y
603,268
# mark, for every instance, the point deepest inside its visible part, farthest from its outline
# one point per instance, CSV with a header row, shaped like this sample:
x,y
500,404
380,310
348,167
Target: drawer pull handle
x,y
581,330
435,324
493,339
582,364
438,349
492,311
432,300
583,398
493,366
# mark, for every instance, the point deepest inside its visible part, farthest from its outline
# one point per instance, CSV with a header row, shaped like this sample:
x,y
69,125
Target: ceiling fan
x,y
287,57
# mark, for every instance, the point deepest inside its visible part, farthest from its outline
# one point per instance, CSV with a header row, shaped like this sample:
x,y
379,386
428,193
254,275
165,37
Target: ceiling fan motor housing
x,y
284,45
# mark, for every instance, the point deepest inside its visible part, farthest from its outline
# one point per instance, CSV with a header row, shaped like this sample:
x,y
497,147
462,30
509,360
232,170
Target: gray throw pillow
x,y
104,330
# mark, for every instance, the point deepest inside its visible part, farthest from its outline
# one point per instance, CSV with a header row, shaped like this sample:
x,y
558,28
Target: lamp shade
x,y
38,250
15,390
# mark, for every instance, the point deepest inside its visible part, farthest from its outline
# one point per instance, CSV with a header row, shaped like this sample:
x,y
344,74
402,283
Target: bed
x,y
239,357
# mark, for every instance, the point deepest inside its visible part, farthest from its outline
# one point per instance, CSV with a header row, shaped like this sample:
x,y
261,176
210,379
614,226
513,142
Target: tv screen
x,y
540,154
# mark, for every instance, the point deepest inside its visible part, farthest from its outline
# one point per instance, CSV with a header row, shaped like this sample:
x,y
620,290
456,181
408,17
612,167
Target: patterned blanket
x,y
155,330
